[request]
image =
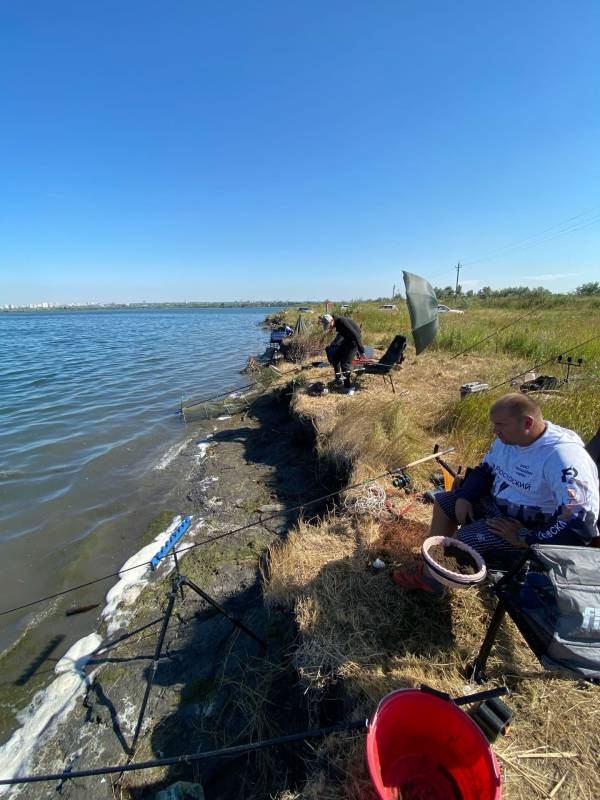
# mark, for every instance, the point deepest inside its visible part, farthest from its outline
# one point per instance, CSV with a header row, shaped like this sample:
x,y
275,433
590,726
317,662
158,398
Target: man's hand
x,y
506,528
463,511
457,482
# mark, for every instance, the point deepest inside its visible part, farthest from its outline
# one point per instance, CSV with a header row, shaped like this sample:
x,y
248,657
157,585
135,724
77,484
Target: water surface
x,y
87,416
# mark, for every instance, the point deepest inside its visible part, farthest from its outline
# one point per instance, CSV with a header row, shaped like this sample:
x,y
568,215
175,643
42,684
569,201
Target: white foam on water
x,y
52,705
135,574
48,709
170,455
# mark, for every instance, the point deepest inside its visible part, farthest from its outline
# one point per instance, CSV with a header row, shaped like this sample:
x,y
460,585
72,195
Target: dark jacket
x,y
348,332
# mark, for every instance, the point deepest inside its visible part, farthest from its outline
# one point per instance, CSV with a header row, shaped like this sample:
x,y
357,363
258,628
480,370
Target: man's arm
x,y
359,341
573,480
478,482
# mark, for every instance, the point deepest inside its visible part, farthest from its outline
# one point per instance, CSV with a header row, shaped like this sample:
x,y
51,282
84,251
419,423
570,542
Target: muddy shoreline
x,y
214,686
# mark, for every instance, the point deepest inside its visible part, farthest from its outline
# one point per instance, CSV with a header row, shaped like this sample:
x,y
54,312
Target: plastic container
x,y
422,747
454,580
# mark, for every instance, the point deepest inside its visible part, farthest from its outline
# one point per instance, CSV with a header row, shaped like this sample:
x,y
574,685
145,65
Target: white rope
x,y
370,501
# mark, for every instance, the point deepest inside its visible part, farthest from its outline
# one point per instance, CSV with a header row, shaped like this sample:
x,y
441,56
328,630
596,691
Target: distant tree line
x,y
585,290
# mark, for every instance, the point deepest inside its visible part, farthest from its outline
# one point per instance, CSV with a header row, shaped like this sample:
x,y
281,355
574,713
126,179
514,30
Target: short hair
x,y
518,405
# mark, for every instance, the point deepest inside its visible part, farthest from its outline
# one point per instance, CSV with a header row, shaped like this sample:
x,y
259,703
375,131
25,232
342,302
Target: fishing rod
x,y
193,402
240,529
231,390
224,752
495,333
190,757
543,363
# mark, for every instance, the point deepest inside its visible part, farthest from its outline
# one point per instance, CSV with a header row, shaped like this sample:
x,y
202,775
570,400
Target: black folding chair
x,y
392,358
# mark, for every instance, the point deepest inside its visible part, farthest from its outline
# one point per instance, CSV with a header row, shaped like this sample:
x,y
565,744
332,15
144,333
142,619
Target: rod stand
x,y
178,582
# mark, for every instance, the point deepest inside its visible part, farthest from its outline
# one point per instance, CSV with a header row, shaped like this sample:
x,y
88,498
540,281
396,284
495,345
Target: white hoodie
x,y
549,485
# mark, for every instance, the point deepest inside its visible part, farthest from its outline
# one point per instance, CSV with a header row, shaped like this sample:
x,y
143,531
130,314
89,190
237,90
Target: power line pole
x,y
394,292
457,274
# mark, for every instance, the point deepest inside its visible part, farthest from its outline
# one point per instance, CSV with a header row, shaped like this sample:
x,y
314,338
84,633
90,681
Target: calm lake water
x,y
87,414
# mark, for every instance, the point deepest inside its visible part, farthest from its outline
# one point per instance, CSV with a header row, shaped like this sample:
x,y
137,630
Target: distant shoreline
x,y
136,306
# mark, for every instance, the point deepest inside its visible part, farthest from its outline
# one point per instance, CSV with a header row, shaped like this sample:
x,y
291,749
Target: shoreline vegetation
x,y
343,634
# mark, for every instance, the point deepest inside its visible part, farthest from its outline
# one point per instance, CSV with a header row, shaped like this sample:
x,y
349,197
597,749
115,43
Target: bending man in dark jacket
x,y
344,347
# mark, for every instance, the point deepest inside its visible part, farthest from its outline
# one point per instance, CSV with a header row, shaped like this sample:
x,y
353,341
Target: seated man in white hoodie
x,y
536,484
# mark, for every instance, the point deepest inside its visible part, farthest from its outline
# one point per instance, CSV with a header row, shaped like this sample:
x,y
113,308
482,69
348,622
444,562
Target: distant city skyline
x,y
397,292
296,150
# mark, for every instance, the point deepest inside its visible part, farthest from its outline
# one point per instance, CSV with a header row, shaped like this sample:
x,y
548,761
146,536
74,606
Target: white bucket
x,y
454,580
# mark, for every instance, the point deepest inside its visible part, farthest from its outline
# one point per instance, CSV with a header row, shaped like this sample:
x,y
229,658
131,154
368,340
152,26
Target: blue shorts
x,y
477,534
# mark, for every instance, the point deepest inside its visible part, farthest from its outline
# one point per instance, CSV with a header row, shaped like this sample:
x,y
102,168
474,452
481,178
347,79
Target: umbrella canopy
x,y
422,307
300,326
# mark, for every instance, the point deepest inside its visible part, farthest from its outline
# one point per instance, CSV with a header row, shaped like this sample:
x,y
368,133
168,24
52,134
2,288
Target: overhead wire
x,y
553,231
566,226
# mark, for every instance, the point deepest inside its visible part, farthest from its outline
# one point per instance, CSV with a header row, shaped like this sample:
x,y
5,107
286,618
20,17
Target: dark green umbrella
x,y
300,326
422,307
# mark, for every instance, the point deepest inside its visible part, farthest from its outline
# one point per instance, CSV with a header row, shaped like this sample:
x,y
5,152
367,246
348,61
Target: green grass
x,y
467,424
560,323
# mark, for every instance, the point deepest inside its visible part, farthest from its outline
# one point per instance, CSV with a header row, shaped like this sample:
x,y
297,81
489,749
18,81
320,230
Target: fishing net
x,y
226,405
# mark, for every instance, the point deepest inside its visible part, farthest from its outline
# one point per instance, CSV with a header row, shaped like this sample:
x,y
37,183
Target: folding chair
x,y
555,604
393,357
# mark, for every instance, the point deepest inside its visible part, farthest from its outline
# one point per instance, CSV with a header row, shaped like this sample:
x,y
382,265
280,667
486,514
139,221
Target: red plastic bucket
x,y
423,747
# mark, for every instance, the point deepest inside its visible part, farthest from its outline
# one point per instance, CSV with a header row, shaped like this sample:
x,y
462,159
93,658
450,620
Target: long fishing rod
x,y
543,363
242,749
198,401
233,389
191,757
495,333
242,528
229,391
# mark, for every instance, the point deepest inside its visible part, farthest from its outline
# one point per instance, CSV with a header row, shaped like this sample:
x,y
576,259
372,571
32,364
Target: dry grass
x,y
376,429
357,627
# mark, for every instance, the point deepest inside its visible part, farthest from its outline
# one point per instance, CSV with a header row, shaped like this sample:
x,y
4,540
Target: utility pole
x,y
394,292
457,274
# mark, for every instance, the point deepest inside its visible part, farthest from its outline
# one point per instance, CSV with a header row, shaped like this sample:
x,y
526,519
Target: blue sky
x,y
223,150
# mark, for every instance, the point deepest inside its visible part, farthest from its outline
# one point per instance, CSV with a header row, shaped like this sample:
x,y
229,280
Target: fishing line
x,y
231,390
245,527
199,401
533,311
